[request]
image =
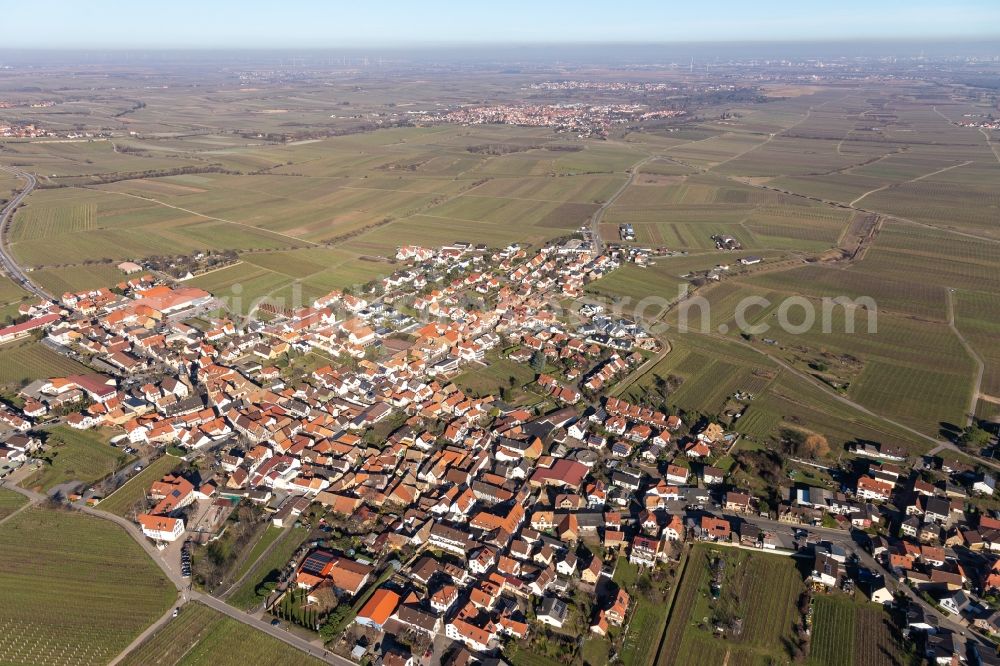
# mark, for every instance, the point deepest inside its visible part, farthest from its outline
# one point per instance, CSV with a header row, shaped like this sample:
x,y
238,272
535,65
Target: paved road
x,y
646,366
186,594
277,632
313,649
844,539
148,633
595,219
7,263
27,505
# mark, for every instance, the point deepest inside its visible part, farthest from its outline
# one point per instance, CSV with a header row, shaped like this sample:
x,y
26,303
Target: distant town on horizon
x,y
531,351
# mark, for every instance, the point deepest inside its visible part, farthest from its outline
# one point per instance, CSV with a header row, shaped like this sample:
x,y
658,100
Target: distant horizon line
x,y
910,40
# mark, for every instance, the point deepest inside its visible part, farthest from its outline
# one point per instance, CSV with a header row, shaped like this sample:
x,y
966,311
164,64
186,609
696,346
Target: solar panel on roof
x,y
315,562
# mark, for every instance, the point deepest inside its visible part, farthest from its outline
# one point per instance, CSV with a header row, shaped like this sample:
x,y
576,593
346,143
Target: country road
x,y
185,593
7,263
10,267
845,539
595,219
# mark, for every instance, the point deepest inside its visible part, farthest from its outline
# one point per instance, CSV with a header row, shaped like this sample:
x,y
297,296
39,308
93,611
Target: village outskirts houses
x,y
446,506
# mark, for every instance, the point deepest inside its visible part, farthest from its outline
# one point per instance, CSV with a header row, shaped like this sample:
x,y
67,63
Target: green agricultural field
x,y
964,197
254,588
24,361
221,280
9,185
70,455
920,299
714,150
708,372
909,253
802,404
527,212
44,221
907,368
201,635
10,502
319,270
255,171
712,385
925,398
576,189
761,590
311,209
77,589
11,294
495,377
69,227
58,281
289,279
594,159
758,422
632,284
122,501
977,316
423,229
849,633
350,273
297,263
74,162
241,286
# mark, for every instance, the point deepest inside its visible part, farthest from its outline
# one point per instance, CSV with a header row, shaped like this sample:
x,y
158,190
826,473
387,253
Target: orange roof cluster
x,y
380,607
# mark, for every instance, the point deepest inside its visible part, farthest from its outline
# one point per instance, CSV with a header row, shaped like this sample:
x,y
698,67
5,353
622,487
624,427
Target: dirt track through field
x,y
980,366
216,219
912,180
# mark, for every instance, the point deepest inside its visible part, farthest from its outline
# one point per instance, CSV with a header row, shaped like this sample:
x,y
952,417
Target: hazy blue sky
x,y
335,23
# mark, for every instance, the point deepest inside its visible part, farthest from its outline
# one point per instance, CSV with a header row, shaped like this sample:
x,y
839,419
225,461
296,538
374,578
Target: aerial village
x,y
450,520
583,120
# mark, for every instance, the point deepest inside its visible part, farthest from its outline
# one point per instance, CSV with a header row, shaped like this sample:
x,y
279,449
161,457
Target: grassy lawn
x,y
645,625
595,651
518,656
271,533
76,455
125,498
76,589
200,635
626,573
644,630
10,502
252,591
495,377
